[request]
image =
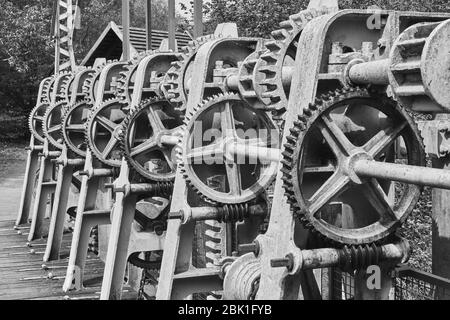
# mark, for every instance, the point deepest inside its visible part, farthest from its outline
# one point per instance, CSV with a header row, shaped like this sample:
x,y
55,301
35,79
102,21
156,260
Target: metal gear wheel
x,y
228,150
73,126
320,157
103,131
52,124
150,135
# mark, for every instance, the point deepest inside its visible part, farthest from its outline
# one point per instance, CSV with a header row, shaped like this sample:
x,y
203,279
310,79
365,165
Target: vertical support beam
x,y
198,18
441,220
148,23
172,25
28,184
58,215
119,238
126,30
43,192
57,38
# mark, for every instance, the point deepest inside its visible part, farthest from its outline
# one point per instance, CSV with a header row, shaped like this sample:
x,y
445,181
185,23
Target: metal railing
x,y
409,284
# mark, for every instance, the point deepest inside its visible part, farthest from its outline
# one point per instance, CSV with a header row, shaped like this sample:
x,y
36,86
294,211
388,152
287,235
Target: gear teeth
x,y
173,83
31,124
61,106
291,155
275,51
90,140
127,124
67,114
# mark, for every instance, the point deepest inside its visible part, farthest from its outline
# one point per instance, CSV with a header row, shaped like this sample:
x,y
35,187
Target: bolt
x,y
66,298
287,262
29,245
19,232
16,228
50,275
176,215
32,251
249,248
44,267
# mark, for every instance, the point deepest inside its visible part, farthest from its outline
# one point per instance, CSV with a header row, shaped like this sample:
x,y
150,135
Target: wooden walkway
x,y
22,276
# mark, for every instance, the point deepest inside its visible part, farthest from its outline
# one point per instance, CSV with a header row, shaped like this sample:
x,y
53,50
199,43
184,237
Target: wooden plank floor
x,y
22,276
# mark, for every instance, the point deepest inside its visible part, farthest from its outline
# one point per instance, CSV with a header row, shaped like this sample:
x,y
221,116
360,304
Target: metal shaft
x,y
374,72
404,173
169,140
262,154
326,258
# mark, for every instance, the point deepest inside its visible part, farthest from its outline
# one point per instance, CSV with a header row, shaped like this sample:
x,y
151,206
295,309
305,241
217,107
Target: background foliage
x,y
26,48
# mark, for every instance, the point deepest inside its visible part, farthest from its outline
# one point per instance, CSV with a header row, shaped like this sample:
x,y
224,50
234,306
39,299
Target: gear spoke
x,y
154,120
109,147
168,156
334,186
106,123
76,127
383,140
204,154
379,200
234,178
334,136
55,128
227,121
147,145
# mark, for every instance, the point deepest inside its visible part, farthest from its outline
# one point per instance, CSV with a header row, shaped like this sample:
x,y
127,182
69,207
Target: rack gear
x,y
149,137
36,119
47,88
277,57
90,84
125,84
103,131
176,80
227,121
319,163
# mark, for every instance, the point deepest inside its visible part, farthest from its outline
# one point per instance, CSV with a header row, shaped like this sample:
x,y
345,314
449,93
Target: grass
x,y
11,153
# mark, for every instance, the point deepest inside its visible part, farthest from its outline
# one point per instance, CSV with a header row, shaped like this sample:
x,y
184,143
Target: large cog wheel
x,y
320,156
52,124
103,131
223,149
73,126
278,54
151,133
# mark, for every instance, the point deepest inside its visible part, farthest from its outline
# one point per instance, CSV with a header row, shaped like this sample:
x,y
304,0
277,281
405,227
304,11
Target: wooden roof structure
x,y
109,44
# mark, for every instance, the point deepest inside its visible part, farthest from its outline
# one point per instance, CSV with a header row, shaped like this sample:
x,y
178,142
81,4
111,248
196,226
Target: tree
x,y
258,18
